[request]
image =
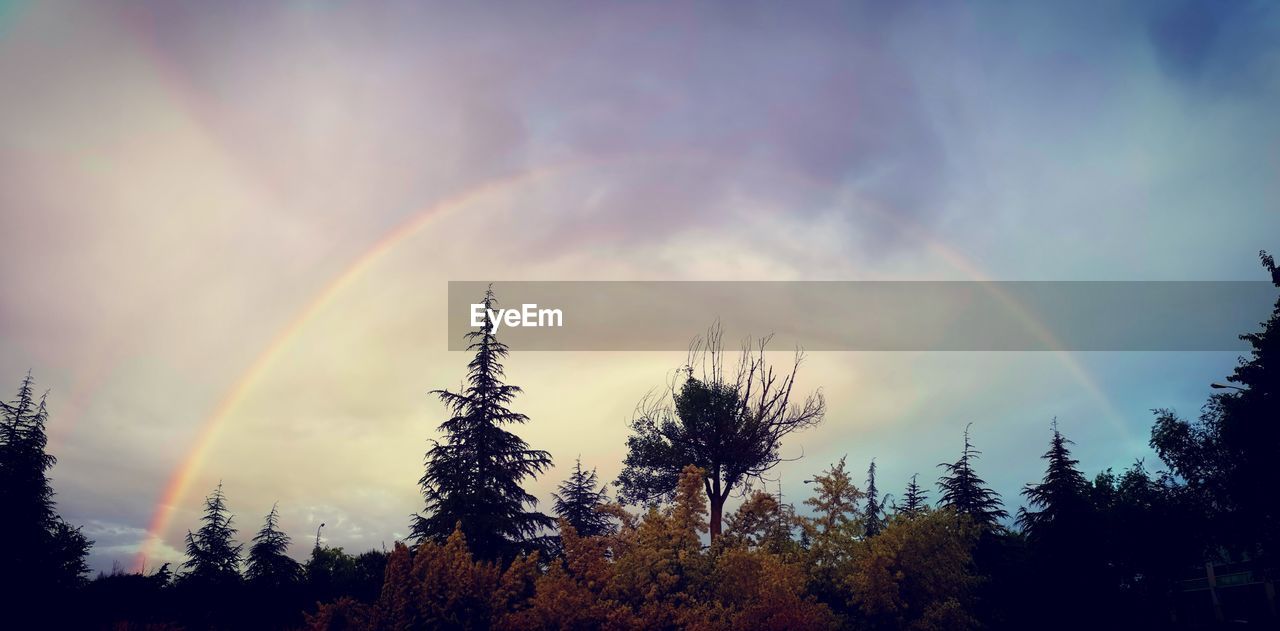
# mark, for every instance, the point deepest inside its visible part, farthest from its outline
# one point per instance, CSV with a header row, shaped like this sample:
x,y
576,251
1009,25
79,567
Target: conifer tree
x,y
213,556
873,519
966,493
915,500
39,551
269,563
576,502
1065,548
473,475
1061,500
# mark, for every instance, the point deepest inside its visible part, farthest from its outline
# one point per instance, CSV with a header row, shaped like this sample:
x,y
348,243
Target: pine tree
x,y
914,501
473,475
269,562
966,493
41,553
1065,547
577,500
1062,497
873,520
213,556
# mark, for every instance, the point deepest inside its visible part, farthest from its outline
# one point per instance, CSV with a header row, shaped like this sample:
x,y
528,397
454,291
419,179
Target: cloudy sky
x,y
228,230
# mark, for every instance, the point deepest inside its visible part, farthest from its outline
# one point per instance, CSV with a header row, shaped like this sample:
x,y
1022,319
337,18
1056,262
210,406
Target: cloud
x,y
178,181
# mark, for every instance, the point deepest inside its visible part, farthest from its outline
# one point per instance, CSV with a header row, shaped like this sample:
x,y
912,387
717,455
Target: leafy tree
x,y
914,501
332,572
213,556
578,501
834,505
1148,534
966,493
42,554
762,523
1228,457
473,476
873,514
730,424
831,532
916,574
661,568
270,565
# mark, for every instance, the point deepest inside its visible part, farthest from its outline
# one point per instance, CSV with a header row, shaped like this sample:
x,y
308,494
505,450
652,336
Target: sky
x,y
228,228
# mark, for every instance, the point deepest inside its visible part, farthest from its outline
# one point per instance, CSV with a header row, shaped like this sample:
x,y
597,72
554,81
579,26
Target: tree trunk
x,y
717,511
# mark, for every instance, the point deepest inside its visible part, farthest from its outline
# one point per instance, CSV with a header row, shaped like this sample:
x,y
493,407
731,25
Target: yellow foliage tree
x,y
916,574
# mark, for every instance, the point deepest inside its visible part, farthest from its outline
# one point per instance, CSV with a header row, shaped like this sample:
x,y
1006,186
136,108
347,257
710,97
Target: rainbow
x,y
178,486
175,491
202,113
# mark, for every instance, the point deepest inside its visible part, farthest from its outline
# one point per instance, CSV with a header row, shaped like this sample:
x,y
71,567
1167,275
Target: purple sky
x,y
179,181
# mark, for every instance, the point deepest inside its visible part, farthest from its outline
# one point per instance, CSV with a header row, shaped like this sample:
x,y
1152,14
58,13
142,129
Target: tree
x,y
42,554
577,502
213,556
473,476
762,523
873,514
269,564
730,425
832,531
1065,545
1228,457
966,493
1147,535
914,501
917,574
1062,497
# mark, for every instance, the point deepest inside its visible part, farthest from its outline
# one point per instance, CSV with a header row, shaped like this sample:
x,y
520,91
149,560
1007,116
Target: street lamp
x,y
1222,386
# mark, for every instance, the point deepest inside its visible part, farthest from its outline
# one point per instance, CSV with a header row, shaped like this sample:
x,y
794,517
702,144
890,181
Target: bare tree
x,y
728,422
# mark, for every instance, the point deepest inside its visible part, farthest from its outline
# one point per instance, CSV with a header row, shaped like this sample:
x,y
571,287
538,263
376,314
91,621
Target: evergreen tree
x,y
269,563
1062,497
873,520
577,500
213,556
473,476
966,493
914,501
42,554
1065,547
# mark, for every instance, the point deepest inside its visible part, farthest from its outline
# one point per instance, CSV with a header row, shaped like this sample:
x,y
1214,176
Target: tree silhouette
x,y
966,493
1228,458
1062,497
473,476
873,514
1065,544
42,555
577,500
213,556
269,563
729,425
914,501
